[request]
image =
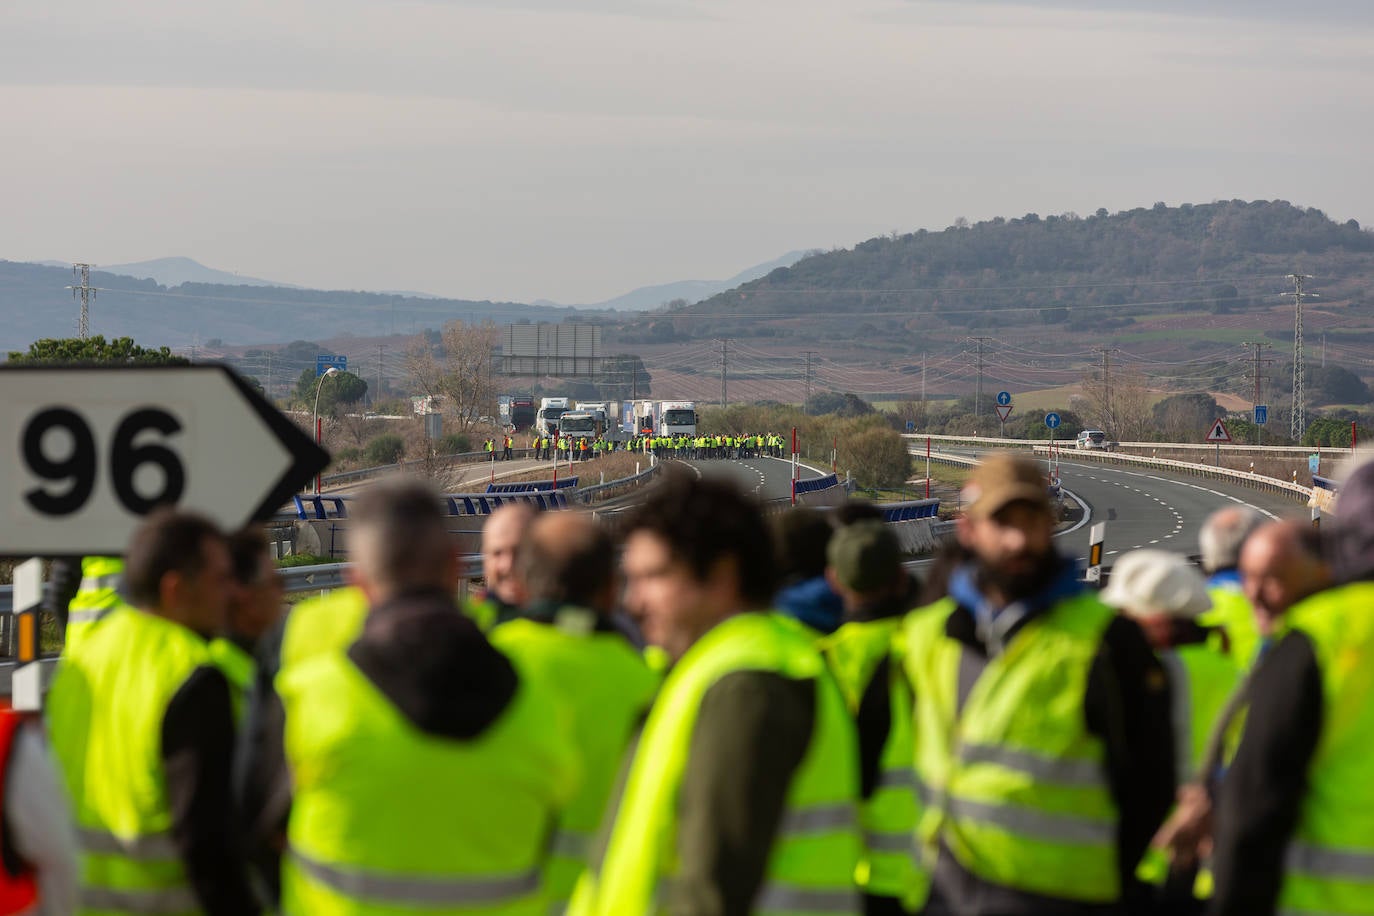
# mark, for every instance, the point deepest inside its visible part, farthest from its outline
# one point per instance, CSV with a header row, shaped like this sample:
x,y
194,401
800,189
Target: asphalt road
x,y
766,478
1146,507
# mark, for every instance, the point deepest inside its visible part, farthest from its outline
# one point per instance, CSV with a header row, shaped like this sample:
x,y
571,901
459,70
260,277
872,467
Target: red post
x,y
927,467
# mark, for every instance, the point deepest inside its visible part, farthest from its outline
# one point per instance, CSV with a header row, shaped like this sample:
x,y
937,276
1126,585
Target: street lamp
x,y
319,386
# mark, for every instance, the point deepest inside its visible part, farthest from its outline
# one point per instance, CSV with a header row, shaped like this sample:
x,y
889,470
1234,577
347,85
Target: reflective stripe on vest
x,y
789,898
154,847
1040,825
95,583
165,902
90,615
1335,864
410,890
570,844
817,819
1064,772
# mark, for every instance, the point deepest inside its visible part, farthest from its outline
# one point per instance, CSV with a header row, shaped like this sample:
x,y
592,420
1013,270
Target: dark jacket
x,y
1126,705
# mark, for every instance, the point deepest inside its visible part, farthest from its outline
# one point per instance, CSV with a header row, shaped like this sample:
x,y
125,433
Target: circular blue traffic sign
x,y
1004,398
1052,420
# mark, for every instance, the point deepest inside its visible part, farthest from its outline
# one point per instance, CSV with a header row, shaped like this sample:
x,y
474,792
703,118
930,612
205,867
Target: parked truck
x,y
546,420
580,424
677,418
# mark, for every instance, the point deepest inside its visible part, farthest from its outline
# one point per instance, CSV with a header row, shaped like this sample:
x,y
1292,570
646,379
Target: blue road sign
x,y
1004,398
1261,414
1314,462
324,363
1052,420
911,426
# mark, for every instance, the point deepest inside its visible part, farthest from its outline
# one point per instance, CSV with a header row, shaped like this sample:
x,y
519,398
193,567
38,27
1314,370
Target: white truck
x,y
580,424
677,418
546,420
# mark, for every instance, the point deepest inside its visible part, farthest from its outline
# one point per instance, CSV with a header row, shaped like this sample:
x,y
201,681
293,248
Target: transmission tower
x,y
1298,422
1107,352
87,292
978,392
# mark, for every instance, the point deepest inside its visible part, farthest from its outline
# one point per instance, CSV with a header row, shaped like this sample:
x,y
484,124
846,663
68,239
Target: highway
x,y
1146,507
767,478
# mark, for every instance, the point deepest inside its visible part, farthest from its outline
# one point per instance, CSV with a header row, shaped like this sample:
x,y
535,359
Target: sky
x,y
572,150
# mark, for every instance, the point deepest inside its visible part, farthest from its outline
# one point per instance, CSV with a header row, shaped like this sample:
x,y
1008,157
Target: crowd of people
x,y
697,709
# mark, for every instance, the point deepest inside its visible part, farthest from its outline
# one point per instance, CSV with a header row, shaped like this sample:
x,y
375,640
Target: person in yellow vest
x,y
255,607
425,773
740,794
1220,540
1042,720
503,592
1281,564
96,596
1165,595
864,566
142,725
566,637
1295,813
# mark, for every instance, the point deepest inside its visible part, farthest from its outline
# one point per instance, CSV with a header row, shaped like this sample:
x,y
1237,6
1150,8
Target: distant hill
x,y
176,271
652,297
1061,274
34,303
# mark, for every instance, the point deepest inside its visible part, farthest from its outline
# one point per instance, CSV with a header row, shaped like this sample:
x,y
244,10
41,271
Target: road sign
x,y
1004,399
1052,420
1314,462
1003,411
1261,414
324,363
100,447
911,426
1218,432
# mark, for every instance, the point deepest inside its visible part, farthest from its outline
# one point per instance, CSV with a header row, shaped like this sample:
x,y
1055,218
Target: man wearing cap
x,y
1043,737
1165,595
864,566
1295,816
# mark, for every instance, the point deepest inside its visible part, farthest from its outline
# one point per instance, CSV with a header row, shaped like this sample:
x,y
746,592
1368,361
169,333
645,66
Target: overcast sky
x,y
575,149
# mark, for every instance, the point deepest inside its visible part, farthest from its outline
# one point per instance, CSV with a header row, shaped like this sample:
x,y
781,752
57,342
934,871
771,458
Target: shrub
x,y
385,449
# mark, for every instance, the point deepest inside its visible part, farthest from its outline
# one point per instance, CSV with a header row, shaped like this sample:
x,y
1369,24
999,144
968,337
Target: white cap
x,y
1144,583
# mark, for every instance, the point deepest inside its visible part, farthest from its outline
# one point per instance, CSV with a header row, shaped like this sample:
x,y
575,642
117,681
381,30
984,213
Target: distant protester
x,y
801,536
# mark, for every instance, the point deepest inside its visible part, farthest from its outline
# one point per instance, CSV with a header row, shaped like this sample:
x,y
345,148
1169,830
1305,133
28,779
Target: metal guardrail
x,y
1245,478
1067,445
586,494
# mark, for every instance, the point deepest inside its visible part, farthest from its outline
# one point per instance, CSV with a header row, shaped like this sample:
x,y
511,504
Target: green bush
x,y
453,444
385,449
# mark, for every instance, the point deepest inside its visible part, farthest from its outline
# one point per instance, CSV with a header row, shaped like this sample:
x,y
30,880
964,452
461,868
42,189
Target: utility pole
x,y
806,408
1107,385
1298,422
978,392
1258,377
87,294
724,370
381,352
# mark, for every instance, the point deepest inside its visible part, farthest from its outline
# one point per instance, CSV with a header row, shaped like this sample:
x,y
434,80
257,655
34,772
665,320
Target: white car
x,y
1092,438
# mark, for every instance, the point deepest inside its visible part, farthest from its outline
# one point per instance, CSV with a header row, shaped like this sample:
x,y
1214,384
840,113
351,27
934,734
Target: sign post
x,y
1218,434
1052,421
99,447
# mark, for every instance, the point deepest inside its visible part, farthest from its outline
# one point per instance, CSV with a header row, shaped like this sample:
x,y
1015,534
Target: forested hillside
x,y
1100,271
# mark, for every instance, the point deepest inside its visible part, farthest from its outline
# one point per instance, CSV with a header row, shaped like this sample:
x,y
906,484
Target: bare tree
x,y
457,369
1121,408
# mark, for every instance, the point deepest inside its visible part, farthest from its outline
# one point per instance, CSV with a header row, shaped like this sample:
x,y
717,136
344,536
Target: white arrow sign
x,y
1218,433
97,448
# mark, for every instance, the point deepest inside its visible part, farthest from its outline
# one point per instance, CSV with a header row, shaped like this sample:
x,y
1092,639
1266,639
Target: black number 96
x,y
79,467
